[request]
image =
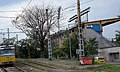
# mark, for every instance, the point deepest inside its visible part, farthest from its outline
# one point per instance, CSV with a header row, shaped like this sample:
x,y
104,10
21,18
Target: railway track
x,y
50,65
22,70
2,69
29,67
39,67
44,67
11,69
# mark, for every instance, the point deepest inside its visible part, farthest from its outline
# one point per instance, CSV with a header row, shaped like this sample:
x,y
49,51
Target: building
x,y
93,29
110,53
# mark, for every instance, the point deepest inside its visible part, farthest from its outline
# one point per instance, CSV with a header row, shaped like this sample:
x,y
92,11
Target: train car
x,y
7,54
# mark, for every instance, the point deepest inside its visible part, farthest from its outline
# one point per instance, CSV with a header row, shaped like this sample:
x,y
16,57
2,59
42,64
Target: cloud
x,y
100,9
9,2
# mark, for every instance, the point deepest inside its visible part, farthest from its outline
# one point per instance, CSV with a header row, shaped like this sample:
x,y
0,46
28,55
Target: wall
x,y
106,52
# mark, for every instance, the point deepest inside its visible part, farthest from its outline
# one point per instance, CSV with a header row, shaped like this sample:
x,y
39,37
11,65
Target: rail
x,y
2,69
20,69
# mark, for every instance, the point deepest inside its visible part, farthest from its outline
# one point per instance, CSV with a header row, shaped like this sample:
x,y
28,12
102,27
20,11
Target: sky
x,y
100,9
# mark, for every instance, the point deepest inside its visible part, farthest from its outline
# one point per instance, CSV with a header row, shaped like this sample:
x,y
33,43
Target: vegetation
x,y
58,53
27,48
104,68
118,38
90,46
33,22
74,44
24,48
10,41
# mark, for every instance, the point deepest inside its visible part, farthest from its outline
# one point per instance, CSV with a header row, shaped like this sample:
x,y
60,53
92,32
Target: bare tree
x,y
34,24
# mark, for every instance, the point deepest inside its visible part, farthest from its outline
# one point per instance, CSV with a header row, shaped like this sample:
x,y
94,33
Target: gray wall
x,y
102,41
106,52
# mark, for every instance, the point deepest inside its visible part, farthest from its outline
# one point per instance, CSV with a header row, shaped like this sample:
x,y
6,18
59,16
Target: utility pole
x,y
81,44
17,38
69,36
8,35
49,39
59,9
16,49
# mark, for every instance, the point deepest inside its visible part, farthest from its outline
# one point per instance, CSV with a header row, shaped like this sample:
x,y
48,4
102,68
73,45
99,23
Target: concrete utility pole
x,y
8,33
49,39
69,36
59,10
17,38
81,44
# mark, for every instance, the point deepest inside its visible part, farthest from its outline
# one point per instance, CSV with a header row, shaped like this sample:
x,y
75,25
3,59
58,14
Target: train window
x,y
1,52
5,49
9,51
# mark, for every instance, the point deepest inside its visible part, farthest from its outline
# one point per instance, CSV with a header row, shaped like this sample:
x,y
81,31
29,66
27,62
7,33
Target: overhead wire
x,y
5,27
16,11
73,6
6,17
10,11
27,5
87,2
24,8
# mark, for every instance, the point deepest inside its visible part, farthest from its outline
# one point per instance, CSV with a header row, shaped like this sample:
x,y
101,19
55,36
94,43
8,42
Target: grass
x,y
100,68
61,60
104,68
56,65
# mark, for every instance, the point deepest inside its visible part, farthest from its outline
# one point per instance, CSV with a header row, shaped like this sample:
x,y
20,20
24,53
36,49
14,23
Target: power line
x,y
11,32
15,11
24,8
69,7
72,6
6,17
28,4
10,11
87,2
5,27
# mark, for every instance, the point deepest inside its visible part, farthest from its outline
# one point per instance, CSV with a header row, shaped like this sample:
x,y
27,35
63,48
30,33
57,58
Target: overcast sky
x,y
100,9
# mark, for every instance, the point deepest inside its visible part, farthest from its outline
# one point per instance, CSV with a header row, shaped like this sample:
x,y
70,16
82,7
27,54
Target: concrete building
x,y
57,39
110,53
102,41
93,30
